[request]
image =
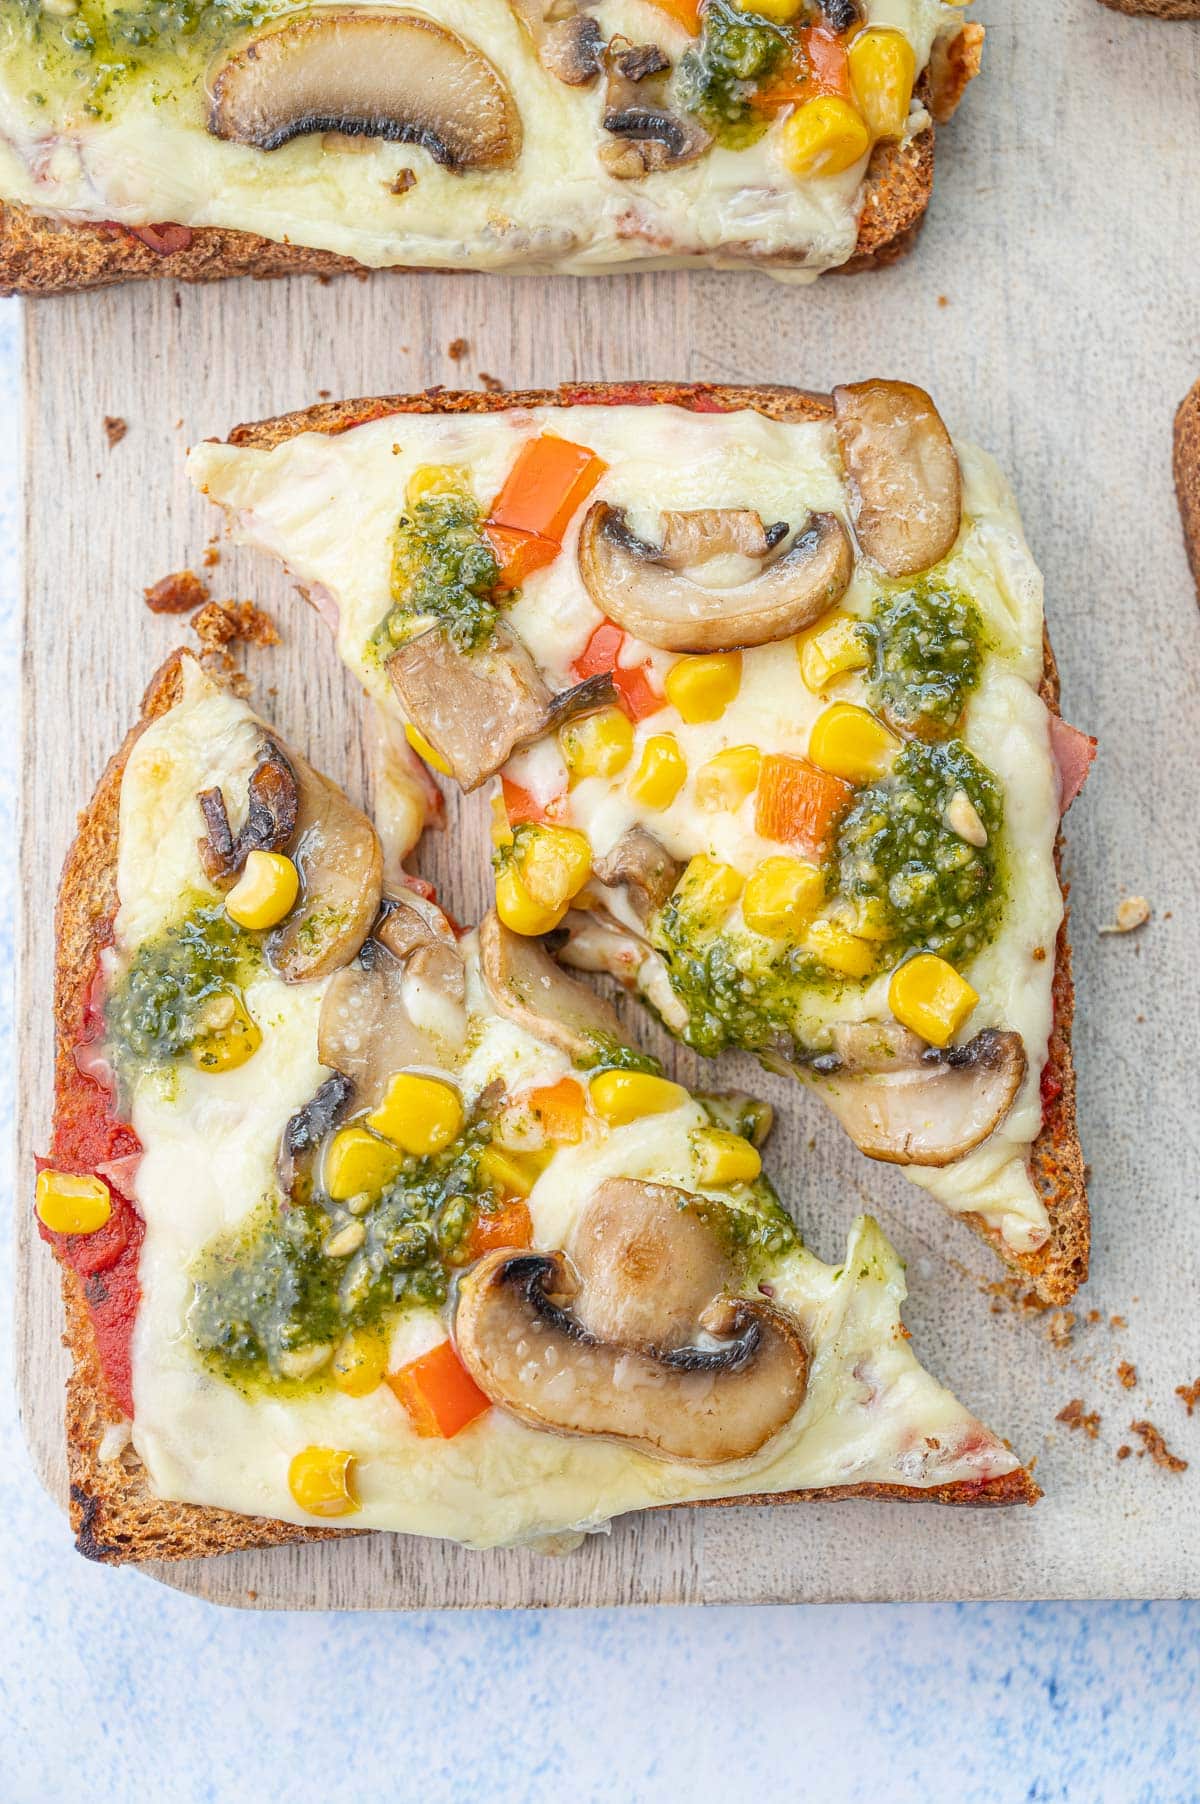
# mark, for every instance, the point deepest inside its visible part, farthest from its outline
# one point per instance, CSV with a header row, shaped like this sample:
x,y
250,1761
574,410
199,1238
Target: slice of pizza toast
x,y
320,1163
710,690
538,142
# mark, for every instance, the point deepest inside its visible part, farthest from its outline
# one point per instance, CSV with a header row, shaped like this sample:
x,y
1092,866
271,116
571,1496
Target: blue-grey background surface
x,y
112,1686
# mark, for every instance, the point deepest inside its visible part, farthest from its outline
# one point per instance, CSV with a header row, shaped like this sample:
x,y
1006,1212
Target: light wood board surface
x,y
1051,309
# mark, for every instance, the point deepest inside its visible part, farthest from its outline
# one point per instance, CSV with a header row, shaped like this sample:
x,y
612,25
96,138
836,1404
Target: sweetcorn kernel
x,y
725,1158
927,995
357,1161
848,742
425,751
824,136
837,646
510,1174
780,12
70,1203
433,479
708,889
502,833
780,894
265,891
728,778
622,1096
555,864
517,908
702,688
228,1035
660,774
321,1480
598,745
360,1362
883,67
838,950
421,1115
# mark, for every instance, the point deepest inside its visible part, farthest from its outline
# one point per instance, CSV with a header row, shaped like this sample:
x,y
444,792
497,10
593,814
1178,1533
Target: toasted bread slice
x,y
1186,464
114,1514
1157,9
1060,1266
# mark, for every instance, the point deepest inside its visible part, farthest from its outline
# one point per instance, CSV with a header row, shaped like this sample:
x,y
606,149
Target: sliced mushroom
x,y
606,1342
645,868
840,15
700,534
271,805
376,1020
629,581
529,988
910,1104
568,42
337,853
307,1128
647,136
904,479
367,71
476,708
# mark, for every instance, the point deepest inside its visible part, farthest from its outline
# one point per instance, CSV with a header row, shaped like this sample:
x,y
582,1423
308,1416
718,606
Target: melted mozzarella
x,y
328,506
871,1415
149,158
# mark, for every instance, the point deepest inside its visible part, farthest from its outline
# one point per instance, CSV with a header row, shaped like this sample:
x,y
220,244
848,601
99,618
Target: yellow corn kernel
x,y
321,1480
421,1115
726,780
227,1034
356,1162
840,951
360,1362
517,908
502,833
661,772
425,751
830,650
702,688
882,70
622,1096
265,891
781,12
780,894
824,136
725,1158
598,745
555,864
927,995
71,1204
433,479
511,1174
868,919
848,742
708,889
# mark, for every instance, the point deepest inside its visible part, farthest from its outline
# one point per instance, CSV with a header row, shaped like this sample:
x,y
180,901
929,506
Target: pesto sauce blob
x,y
152,1014
926,648
720,77
442,566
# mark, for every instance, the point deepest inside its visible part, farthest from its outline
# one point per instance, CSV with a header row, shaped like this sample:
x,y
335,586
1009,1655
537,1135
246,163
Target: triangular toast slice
x,y
368,1223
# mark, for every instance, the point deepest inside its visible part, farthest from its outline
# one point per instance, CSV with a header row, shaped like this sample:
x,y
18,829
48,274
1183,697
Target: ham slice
x,y
1073,753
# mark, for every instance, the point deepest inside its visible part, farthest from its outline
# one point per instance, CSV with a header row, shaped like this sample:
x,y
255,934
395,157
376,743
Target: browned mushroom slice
x,y
645,868
530,989
271,804
568,42
629,581
905,483
910,1104
338,855
367,71
476,708
645,134
702,533
606,1343
308,1127
374,1022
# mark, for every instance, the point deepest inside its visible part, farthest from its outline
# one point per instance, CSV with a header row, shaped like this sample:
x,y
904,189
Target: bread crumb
x,y
212,556
1190,1394
222,623
943,300
1157,1447
1127,1373
1093,1315
115,428
1118,1321
493,384
1133,912
1060,1327
1123,1451
1074,1415
1010,1290
178,593
323,394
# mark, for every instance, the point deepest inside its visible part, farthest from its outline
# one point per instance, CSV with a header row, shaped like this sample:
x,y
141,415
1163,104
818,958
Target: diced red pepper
x,y
637,694
549,482
520,805
509,1226
438,1393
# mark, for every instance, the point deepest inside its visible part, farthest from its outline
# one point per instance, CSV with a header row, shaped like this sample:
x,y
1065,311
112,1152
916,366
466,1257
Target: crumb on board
x,y
1132,912
1118,1321
1124,1451
1060,1327
457,349
212,556
493,384
1015,1291
178,593
1127,1373
1156,1447
115,428
223,623
943,300
1074,1415
1190,1393
1093,1315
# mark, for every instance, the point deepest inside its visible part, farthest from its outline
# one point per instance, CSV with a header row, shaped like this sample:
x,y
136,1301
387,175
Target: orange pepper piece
x,y
560,1108
634,690
520,805
510,1226
439,1395
798,805
519,554
549,482
684,12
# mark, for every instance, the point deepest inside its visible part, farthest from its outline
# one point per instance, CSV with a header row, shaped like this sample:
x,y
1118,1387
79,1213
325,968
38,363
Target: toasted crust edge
x,y
1185,464
1157,9
1058,1268
113,1512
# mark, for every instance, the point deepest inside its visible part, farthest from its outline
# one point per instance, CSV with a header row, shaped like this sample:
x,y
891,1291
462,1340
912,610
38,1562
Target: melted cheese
x,y
871,1415
150,159
328,506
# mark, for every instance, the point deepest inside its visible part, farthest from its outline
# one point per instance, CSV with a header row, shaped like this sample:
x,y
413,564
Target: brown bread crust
x,y
1186,464
1158,9
114,1514
1058,1268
